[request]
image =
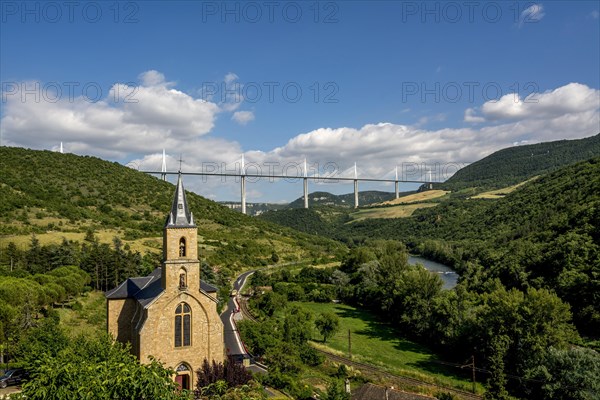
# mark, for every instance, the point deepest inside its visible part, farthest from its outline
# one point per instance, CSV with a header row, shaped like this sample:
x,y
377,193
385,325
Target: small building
x,y
171,314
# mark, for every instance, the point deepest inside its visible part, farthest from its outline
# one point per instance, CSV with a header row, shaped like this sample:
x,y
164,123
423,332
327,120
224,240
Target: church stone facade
x,y
170,314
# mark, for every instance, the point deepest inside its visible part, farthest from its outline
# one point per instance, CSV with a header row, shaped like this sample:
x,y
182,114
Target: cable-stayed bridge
x,y
334,176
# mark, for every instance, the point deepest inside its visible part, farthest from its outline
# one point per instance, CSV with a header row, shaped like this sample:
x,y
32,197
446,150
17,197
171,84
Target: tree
x,y
259,337
251,391
413,297
336,391
497,381
230,372
13,256
355,258
284,358
270,302
327,324
34,257
97,369
570,374
44,341
297,325
274,257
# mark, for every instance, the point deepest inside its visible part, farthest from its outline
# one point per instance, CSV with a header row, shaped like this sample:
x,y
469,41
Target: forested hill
x,y
47,192
519,163
545,234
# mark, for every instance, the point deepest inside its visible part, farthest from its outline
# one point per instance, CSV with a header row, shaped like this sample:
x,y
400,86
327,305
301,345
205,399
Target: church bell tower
x,y
181,267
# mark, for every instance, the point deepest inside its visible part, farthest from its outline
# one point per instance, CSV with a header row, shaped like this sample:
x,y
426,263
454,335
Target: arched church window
x,y
182,247
182,368
183,325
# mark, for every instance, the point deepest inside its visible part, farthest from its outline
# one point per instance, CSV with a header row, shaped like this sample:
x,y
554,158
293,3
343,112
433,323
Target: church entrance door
x,y
183,381
183,378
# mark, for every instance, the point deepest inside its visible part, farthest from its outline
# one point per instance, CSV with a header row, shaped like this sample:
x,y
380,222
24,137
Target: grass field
x,y
104,236
399,211
500,193
417,197
376,343
86,315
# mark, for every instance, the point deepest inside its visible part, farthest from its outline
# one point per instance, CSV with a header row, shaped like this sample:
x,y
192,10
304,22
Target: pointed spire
x,y
180,215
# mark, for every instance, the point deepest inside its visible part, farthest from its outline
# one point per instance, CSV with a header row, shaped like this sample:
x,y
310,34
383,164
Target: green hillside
x,y
60,196
318,199
321,221
516,164
544,234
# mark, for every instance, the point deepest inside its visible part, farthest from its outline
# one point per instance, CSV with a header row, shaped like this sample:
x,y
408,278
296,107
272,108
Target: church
x,y
170,314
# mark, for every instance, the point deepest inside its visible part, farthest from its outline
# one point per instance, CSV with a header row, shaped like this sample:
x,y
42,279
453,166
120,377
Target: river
x,y
448,275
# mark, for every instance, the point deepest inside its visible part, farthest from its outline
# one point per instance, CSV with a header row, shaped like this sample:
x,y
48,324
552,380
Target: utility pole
x,y
473,369
349,344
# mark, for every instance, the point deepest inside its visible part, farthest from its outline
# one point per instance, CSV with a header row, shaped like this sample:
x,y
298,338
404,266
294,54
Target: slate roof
x,y
180,215
207,287
370,391
147,288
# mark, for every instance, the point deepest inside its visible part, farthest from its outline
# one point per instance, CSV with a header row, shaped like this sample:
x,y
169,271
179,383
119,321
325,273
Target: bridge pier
x,y
356,193
305,192
396,184
243,190
163,168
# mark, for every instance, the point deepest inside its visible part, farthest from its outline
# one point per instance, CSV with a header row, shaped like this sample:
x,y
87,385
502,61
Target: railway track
x,y
245,310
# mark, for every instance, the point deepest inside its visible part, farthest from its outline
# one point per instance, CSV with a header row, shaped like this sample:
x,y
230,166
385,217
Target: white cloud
x,y
243,117
230,77
152,78
232,93
595,14
441,117
127,120
571,98
533,13
470,116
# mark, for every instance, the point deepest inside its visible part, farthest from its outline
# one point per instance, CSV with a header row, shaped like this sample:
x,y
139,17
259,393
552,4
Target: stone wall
x,y
120,313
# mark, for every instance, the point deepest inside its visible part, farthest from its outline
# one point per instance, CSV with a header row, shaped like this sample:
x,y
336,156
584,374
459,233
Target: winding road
x,y
233,343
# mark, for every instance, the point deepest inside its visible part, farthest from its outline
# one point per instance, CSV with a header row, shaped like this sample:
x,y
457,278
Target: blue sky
x,y
377,83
